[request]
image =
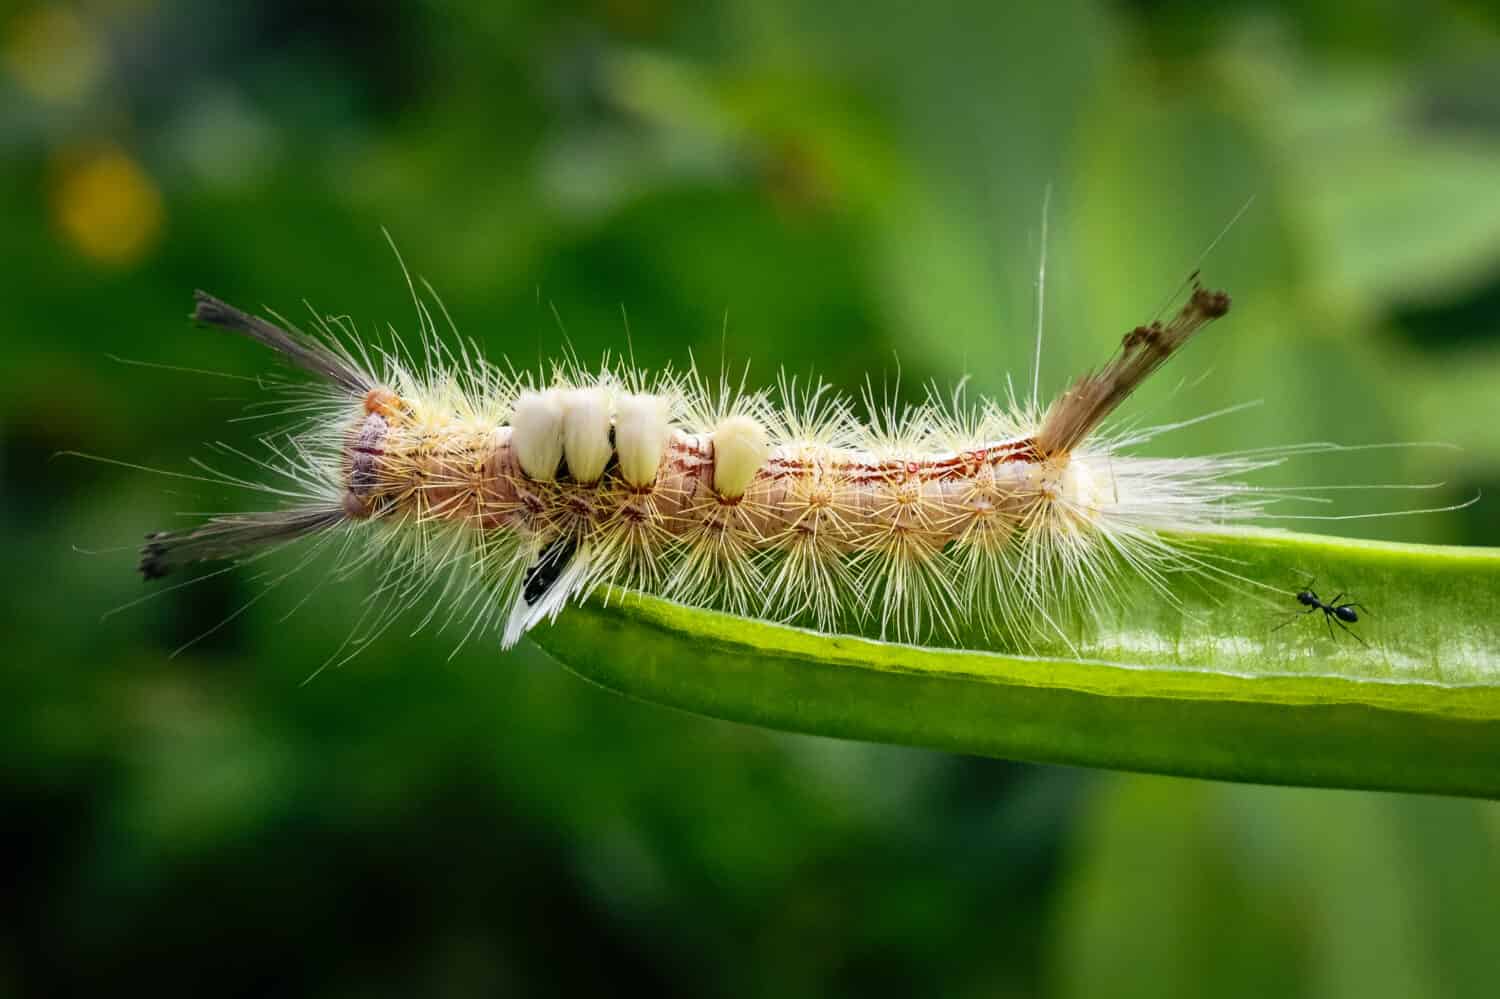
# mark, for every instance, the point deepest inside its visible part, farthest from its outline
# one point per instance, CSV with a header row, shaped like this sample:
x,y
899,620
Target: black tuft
x,y
154,557
540,577
1212,304
300,349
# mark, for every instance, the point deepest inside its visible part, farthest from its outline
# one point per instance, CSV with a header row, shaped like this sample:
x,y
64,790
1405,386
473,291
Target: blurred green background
x,y
858,188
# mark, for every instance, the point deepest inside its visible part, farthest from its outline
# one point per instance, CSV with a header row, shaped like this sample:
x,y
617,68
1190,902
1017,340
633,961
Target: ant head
x,y
1307,598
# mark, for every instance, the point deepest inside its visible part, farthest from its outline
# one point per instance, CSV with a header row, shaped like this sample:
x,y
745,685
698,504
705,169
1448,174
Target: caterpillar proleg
x,y
515,493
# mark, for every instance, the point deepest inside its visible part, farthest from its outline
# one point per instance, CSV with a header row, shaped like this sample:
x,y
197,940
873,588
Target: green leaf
x,y
1181,888
1212,688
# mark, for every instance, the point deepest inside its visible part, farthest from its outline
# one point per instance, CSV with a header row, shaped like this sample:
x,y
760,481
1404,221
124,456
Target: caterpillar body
x,y
517,493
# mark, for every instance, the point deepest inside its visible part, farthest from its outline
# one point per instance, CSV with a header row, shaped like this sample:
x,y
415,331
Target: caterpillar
x,y
508,494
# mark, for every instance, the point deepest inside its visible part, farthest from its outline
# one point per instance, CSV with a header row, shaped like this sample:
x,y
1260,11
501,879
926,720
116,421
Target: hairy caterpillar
x,y
514,493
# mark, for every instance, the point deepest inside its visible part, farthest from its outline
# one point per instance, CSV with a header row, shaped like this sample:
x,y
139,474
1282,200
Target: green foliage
x,y
859,187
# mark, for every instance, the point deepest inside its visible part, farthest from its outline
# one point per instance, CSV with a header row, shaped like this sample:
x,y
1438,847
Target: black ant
x,y
1333,612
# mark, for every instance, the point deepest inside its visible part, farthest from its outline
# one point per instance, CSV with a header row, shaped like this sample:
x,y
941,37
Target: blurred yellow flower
x,y
53,54
106,207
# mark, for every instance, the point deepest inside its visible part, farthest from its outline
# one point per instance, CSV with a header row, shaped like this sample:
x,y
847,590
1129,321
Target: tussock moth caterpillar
x,y
507,494
501,495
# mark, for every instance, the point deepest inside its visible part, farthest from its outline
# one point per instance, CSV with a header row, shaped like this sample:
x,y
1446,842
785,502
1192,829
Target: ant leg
x,y
1351,632
1328,620
1336,599
1293,618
